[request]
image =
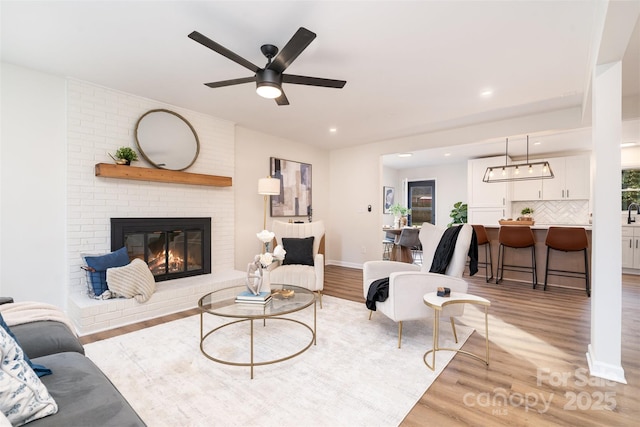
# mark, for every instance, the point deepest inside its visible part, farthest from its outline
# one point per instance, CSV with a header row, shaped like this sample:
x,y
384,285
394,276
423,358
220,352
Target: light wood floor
x,y
538,372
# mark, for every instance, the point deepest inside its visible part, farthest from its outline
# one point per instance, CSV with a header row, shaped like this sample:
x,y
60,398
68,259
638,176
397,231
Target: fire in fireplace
x,y
172,247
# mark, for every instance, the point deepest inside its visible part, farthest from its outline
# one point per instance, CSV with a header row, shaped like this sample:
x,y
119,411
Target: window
x,y
422,202
630,187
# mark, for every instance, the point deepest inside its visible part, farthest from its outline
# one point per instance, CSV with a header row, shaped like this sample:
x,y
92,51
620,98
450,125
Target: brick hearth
x,y
172,296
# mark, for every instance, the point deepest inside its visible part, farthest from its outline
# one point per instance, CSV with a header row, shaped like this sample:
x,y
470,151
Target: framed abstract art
x,y
388,198
295,188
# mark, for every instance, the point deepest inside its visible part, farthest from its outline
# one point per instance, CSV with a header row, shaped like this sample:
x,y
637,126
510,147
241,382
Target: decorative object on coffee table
x,y
255,269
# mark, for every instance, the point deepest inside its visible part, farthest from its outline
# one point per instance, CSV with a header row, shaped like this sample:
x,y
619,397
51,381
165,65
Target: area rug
x,y
354,376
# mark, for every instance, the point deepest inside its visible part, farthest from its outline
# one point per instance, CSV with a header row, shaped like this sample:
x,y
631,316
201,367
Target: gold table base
x,y
252,362
436,329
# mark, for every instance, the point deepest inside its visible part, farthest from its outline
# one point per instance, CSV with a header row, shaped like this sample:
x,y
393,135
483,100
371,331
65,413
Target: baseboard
x,y
604,370
344,264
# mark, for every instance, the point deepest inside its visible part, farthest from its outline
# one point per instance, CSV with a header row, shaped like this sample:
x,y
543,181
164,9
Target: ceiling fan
x,y
270,78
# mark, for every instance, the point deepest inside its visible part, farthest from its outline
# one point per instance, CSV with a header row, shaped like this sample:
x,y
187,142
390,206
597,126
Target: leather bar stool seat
x,y
483,240
516,237
568,239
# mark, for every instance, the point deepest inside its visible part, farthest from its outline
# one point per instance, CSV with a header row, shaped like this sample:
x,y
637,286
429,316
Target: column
x,y
604,351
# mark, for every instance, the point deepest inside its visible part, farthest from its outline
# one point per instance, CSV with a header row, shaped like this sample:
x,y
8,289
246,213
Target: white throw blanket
x,y
132,281
17,313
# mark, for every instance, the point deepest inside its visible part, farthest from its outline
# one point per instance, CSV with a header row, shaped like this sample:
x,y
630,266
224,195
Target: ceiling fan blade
x,y
282,99
313,81
207,42
231,82
294,47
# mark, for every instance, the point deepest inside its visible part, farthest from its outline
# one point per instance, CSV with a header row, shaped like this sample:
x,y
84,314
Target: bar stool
x,y
483,240
387,244
516,237
409,240
568,239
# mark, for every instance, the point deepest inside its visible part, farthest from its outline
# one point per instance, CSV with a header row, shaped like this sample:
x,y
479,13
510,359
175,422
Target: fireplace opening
x,y
171,247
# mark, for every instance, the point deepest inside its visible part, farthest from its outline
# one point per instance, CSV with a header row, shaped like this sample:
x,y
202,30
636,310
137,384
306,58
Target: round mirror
x,y
166,140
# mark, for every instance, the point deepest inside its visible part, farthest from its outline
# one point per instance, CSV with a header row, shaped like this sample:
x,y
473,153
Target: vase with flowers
x,y
257,280
400,215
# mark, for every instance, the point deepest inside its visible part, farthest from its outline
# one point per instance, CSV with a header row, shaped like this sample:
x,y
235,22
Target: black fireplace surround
x,y
172,247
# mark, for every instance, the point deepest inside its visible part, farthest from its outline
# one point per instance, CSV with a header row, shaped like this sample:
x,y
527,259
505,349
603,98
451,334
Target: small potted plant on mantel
x,y
125,155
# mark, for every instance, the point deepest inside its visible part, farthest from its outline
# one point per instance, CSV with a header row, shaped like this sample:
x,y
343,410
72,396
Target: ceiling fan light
x,y
268,90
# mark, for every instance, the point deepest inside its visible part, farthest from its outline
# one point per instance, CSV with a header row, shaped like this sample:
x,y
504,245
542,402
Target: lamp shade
x,y
269,186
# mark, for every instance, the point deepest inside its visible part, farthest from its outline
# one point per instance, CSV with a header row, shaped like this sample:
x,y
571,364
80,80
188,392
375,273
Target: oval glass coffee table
x,y
222,303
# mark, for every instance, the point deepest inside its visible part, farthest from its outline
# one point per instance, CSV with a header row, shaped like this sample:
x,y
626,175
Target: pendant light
x,y
518,172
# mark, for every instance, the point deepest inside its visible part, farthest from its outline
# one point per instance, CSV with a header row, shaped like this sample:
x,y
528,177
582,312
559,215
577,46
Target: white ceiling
x,y
411,66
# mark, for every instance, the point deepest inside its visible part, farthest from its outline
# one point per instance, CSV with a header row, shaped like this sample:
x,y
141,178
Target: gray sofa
x,y
84,395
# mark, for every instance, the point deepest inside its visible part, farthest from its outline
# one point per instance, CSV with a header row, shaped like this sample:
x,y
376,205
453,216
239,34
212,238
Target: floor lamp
x,y
268,187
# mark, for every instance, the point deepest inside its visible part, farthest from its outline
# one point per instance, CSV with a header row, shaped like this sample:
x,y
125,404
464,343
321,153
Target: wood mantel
x,y
108,170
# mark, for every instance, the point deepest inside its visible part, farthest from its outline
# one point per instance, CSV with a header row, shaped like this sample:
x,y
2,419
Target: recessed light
x,y
405,155
628,144
486,93
537,143
333,130
447,154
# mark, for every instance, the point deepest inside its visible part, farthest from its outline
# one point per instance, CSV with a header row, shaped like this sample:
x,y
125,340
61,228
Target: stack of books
x,y
250,298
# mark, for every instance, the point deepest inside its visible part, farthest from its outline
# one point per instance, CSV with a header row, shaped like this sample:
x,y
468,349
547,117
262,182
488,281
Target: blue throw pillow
x,y
98,268
40,370
299,251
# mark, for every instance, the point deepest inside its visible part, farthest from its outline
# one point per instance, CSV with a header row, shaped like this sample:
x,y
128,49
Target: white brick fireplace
x,y
99,121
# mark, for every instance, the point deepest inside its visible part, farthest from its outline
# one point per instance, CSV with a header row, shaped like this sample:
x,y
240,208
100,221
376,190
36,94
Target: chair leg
x,y
488,262
586,273
546,270
370,314
500,269
488,245
534,273
535,264
320,298
399,334
453,327
486,269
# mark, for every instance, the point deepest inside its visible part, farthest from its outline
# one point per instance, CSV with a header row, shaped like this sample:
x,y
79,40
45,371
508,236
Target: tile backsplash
x,y
555,211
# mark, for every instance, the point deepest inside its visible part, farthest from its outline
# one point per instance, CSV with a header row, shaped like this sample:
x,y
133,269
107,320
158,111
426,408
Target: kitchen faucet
x,y
631,205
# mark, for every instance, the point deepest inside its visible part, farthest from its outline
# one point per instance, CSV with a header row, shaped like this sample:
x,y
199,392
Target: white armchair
x,y
304,275
409,282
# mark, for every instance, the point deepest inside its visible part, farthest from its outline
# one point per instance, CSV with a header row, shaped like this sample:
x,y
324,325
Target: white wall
x,y
253,153
451,186
52,206
33,186
354,233
630,157
100,121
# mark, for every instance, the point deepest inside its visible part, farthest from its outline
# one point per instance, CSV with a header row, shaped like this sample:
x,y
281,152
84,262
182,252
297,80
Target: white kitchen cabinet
x,y
631,247
572,178
526,190
482,194
487,203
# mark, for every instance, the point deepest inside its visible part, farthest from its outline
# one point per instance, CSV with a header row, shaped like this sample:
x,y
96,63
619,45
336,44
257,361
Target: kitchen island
x,y
573,261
